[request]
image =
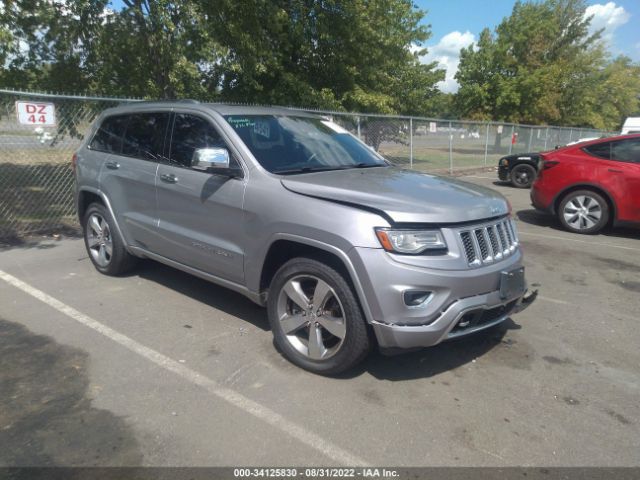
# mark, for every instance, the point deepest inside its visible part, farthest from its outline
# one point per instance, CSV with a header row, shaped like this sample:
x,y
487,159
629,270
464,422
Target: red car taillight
x,y
74,161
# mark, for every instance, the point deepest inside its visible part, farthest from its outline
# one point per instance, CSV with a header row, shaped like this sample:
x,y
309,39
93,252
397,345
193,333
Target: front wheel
x,y
315,318
583,211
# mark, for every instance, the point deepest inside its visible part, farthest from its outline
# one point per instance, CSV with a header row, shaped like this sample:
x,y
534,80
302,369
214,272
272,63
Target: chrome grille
x,y
489,243
467,243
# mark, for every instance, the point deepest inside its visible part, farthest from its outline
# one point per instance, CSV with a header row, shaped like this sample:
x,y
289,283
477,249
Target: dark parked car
x,y
521,169
591,185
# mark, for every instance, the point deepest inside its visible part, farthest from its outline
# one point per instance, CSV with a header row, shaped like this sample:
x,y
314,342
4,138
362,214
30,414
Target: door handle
x,y
615,170
112,165
169,178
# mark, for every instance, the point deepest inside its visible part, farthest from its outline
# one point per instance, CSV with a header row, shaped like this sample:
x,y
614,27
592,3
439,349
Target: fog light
x,y
416,298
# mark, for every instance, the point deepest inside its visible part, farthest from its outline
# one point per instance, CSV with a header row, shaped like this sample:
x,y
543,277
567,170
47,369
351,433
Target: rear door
x,y
625,155
128,176
201,215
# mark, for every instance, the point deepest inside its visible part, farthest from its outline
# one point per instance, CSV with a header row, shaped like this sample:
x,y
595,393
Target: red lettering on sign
x,y
42,119
32,119
30,108
42,108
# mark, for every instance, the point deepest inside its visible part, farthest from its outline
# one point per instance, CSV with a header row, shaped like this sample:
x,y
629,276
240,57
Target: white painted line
x,y
228,395
553,300
554,237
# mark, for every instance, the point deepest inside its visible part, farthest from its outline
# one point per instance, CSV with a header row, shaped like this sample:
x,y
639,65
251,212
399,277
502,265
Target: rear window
x,y
108,138
145,134
600,150
626,150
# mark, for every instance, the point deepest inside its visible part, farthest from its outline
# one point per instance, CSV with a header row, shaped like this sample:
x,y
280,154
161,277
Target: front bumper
x,y
503,172
488,310
463,301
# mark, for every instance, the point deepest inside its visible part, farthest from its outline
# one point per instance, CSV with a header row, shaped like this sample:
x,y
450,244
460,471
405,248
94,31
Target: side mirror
x,y
206,159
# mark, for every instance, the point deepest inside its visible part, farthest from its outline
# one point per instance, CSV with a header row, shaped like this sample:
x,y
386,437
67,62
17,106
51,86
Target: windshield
x,y
289,145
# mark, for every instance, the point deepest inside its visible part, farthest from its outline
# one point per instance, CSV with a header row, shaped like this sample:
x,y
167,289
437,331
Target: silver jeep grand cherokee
x,y
291,210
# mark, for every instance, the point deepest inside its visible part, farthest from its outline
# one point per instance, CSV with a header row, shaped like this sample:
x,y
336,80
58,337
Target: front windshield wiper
x,y
367,165
306,170
327,169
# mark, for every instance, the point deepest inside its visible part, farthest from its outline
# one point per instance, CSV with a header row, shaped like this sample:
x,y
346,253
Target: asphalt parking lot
x,y
161,368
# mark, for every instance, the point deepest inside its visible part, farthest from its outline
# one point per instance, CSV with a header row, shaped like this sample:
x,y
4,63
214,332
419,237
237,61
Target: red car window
x,y
626,150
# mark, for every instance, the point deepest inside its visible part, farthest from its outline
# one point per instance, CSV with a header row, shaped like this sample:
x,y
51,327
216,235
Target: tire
x,y
583,211
300,331
104,246
522,176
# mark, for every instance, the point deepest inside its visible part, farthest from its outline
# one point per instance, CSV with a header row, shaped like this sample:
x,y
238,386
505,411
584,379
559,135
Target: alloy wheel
x,y
582,212
99,240
311,316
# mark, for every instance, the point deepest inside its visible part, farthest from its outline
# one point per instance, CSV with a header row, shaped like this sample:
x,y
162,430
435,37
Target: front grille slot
x,y
467,243
484,244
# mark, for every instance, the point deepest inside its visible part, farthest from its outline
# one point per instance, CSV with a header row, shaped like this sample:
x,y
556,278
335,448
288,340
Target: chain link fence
x,y
37,182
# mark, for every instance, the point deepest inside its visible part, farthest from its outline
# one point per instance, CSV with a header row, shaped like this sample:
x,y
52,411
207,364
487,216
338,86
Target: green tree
x,y
352,55
543,66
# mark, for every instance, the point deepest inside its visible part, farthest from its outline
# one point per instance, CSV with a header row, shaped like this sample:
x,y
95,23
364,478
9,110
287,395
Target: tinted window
x,y
291,144
626,150
601,150
108,138
190,133
144,137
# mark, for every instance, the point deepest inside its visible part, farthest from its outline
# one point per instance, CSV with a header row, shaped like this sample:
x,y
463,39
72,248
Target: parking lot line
x,y
555,237
228,395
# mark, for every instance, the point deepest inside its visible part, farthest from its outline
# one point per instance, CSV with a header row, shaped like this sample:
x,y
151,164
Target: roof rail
x,y
138,102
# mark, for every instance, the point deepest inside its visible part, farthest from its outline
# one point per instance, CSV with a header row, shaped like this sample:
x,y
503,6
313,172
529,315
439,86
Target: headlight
x,y
504,161
410,241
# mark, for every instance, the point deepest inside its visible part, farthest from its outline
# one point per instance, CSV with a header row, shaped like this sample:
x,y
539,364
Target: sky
x,y
457,23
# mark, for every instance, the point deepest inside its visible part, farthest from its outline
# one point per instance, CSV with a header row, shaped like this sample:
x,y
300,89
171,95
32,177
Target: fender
x,y
107,203
586,185
331,249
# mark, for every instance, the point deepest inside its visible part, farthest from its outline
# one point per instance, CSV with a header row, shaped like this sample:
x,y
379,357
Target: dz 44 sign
x,y
36,113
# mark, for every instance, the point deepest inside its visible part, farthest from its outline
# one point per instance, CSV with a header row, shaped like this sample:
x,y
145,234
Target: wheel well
x,y
84,200
281,251
593,188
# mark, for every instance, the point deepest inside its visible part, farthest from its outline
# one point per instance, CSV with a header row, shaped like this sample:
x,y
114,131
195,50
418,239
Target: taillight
x,y
74,161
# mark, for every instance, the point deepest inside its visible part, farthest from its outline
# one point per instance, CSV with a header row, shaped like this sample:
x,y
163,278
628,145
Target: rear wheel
x,y
315,317
105,247
583,211
522,176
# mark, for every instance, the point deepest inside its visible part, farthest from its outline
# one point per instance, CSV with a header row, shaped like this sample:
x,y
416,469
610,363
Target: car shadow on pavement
x,y
540,219
46,413
205,292
432,361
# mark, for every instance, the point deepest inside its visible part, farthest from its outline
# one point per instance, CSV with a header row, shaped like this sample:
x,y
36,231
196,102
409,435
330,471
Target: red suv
x,y
591,184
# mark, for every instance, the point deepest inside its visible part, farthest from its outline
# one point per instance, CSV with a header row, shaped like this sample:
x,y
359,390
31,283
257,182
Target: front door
x,y
200,213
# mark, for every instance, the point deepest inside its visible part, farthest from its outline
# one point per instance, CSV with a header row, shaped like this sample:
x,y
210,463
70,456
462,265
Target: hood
x,y
403,195
523,156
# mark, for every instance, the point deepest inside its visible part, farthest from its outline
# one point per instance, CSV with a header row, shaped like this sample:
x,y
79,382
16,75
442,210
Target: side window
x,y
600,150
108,138
144,137
626,150
191,132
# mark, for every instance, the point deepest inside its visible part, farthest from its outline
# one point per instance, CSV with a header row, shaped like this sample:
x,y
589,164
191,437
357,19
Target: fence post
x,y
513,129
546,137
570,134
486,145
358,122
450,149
411,142
530,139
